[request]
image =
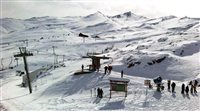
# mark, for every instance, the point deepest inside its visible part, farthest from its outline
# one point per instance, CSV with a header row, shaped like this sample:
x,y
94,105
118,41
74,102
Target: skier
x,y
122,73
168,84
82,67
187,90
105,68
173,86
182,88
195,86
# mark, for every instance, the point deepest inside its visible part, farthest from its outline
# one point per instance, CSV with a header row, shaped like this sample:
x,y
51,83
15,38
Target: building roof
x,y
118,79
96,56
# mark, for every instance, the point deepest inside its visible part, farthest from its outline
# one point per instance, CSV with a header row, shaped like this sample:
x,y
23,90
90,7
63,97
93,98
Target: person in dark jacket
x,y
101,93
182,88
173,86
98,92
82,67
168,84
105,68
122,74
191,88
195,86
187,90
109,69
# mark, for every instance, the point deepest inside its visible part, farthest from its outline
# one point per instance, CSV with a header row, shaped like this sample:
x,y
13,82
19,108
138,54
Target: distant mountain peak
x,y
98,13
129,14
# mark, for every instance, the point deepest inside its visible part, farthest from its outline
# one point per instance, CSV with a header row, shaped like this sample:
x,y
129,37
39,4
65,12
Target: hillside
x,y
143,48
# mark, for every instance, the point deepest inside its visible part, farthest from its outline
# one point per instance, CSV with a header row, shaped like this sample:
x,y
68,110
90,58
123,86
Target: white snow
x,y
142,47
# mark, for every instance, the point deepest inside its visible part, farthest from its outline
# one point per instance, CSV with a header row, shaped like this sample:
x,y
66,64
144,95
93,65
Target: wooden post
x,y
110,89
23,53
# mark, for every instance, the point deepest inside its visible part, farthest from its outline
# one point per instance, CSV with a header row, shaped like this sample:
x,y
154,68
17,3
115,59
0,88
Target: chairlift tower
x,y
54,56
24,53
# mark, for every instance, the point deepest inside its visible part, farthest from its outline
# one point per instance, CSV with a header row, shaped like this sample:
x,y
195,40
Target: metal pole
x,y
53,57
24,53
63,58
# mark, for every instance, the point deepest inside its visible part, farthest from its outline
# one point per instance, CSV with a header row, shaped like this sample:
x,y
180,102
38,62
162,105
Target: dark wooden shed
x,y
96,64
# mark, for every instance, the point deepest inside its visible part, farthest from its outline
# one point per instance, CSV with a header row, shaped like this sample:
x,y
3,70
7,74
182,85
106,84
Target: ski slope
x,y
132,41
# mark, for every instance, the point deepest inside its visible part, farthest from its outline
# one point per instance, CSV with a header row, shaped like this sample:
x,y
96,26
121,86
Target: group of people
x,y
99,93
107,69
193,87
184,89
169,85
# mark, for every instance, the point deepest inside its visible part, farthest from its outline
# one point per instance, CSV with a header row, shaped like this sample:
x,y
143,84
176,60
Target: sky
x,y
23,9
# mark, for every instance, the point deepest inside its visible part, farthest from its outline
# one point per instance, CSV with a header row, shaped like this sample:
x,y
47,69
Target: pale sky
x,y
61,8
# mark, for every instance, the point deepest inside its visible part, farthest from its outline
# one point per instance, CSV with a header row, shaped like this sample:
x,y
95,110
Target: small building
x,y
33,75
119,85
96,64
82,35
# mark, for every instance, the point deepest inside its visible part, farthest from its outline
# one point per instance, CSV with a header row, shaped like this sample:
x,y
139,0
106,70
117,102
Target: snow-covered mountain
x,y
142,47
129,16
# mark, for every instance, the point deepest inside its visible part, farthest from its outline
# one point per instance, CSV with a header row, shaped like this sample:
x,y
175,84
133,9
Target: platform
x,y
85,71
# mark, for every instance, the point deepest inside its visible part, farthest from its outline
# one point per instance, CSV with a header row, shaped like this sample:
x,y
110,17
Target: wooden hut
x,y
96,64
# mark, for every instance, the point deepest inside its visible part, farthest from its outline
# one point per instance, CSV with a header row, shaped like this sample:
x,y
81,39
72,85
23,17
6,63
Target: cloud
x,y
61,8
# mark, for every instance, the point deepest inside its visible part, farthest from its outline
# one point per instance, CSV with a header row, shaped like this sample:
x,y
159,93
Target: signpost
x,y
119,85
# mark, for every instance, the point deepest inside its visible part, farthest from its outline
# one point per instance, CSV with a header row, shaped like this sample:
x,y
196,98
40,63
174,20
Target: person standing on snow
x,y
195,86
109,69
98,92
82,67
187,90
122,74
105,68
173,86
182,88
168,84
101,93
191,88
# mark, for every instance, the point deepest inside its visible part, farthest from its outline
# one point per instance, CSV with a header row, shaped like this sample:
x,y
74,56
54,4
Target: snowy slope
x,y
9,25
142,47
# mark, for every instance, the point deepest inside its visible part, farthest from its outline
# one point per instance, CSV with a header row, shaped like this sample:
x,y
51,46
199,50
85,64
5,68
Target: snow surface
x,y
142,47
